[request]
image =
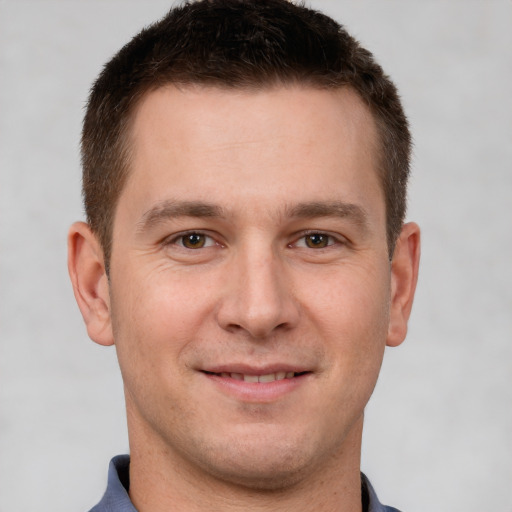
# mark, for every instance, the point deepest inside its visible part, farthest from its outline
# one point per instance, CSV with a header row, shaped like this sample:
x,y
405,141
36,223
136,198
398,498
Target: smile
x,y
269,377
263,386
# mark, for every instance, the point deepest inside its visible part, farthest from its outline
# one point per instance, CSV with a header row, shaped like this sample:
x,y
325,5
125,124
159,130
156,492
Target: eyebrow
x,y
313,209
166,210
170,209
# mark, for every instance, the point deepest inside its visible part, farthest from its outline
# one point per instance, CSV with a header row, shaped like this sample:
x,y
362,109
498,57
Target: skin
x,y
250,239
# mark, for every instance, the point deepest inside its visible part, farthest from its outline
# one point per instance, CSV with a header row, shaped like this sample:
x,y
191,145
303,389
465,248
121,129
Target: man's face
x,y
249,245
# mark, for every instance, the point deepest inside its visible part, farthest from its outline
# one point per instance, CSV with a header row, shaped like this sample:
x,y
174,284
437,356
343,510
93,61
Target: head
x,y
244,177
235,44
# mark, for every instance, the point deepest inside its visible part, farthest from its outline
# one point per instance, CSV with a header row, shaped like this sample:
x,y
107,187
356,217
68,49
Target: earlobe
x,y
90,283
404,276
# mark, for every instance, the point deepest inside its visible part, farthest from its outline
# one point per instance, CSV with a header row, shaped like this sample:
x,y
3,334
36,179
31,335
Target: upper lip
x,y
247,369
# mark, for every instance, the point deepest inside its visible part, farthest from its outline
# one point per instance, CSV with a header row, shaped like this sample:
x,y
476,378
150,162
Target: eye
x,y
194,240
315,241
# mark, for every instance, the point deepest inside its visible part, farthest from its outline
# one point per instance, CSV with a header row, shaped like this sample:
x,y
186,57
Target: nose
x,y
258,298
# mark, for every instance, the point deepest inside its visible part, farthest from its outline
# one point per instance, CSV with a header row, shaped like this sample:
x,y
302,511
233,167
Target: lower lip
x,y
257,392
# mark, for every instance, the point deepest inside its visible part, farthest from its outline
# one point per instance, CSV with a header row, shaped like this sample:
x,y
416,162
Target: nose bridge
x,y
259,297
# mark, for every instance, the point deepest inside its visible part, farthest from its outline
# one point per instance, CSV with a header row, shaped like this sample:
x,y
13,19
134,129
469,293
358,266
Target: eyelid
x,y
175,239
336,239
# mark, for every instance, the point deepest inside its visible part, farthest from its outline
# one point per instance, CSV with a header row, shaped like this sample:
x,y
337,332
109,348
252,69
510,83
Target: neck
x,y
163,480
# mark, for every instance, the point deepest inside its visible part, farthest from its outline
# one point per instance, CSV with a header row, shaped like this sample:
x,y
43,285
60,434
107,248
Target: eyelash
x,y
180,240
330,240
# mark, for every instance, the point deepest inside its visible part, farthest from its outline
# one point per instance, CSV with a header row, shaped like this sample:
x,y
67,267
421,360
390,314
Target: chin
x,y
260,464
261,475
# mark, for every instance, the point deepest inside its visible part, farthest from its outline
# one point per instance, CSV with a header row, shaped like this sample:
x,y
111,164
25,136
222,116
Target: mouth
x,y
258,383
257,378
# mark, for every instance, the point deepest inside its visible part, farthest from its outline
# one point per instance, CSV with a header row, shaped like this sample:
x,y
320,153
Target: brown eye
x,y
193,240
316,241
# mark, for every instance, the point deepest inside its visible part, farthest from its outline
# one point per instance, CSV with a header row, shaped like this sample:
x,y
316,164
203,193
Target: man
x,y
245,168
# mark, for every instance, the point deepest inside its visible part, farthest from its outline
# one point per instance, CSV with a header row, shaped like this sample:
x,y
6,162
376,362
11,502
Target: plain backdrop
x,y
438,434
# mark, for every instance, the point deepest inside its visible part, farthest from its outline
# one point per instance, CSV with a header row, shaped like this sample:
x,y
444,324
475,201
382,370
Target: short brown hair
x,y
235,44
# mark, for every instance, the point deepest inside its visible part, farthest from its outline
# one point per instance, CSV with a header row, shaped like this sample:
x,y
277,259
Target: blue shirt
x,y
116,497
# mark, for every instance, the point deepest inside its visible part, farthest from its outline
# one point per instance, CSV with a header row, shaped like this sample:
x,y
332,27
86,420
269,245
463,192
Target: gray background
x,y
439,427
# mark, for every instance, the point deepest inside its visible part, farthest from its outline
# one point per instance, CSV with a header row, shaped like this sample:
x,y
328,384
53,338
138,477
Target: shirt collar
x,y
370,500
116,498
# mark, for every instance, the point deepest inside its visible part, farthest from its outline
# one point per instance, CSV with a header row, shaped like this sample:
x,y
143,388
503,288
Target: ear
x,y
90,283
404,276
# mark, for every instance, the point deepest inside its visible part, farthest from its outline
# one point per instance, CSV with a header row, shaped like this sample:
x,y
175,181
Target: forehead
x,y
200,142
340,107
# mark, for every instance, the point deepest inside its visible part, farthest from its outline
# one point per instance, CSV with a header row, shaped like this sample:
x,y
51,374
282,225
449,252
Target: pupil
x,y
317,240
194,240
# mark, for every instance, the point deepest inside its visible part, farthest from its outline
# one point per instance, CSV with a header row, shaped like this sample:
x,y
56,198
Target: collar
x,y
116,498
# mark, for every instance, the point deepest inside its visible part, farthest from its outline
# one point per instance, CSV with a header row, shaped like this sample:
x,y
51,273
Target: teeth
x,y
270,377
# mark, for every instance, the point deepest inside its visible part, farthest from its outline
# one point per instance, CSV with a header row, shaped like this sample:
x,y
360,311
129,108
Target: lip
x,y
256,392
246,369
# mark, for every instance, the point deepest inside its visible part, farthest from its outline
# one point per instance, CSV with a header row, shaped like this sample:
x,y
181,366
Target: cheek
x,y
154,322
352,315
154,319
354,299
